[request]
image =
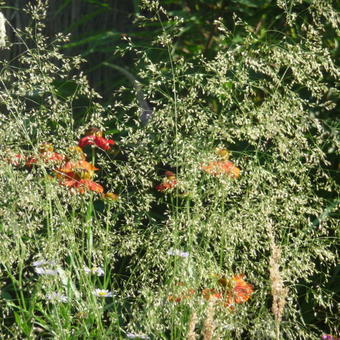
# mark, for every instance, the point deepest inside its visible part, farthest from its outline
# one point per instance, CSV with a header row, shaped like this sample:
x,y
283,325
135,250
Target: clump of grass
x,y
233,143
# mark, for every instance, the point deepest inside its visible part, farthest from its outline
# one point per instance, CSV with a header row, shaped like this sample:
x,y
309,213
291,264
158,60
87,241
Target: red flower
x,y
218,168
99,141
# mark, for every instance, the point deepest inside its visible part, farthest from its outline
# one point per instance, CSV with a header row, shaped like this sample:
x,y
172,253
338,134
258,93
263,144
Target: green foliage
x,y
267,99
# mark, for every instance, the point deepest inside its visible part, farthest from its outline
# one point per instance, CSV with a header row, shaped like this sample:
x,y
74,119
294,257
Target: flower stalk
x,y
279,291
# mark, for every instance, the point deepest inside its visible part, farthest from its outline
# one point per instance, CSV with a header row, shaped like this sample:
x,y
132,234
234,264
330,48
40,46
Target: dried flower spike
x,y
209,323
46,271
191,328
279,291
2,31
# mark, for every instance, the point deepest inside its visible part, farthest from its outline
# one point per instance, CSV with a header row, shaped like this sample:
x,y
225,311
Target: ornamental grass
x,y
213,218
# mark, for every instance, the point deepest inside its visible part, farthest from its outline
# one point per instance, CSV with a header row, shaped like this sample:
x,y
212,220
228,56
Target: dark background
x,y
97,27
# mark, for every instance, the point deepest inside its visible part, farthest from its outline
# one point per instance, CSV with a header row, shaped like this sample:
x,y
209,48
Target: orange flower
x,y
75,153
46,157
71,166
46,147
165,185
77,170
208,294
83,184
223,153
172,298
186,295
169,182
235,290
239,292
79,175
16,159
170,174
217,168
46,154
93,131
110,196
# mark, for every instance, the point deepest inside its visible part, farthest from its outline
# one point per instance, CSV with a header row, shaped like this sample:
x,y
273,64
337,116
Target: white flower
x,y
228,327
136,336
46,271
98,270
94,270
102,293
177,252
87,270
2,31
40,263
42,269
56,297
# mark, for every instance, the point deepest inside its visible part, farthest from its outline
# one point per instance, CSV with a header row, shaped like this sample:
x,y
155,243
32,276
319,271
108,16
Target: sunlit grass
x,y
208,221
